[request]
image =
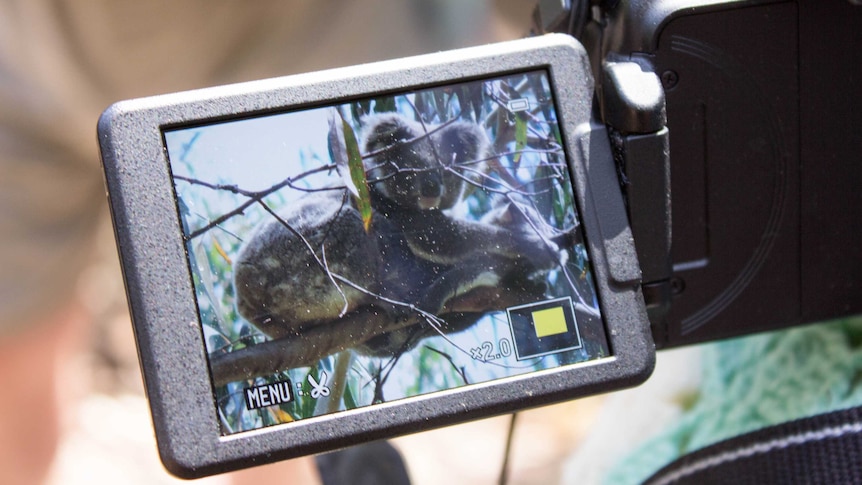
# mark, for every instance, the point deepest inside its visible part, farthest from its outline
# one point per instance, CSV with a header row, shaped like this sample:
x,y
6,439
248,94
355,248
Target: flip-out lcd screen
x,y
385,247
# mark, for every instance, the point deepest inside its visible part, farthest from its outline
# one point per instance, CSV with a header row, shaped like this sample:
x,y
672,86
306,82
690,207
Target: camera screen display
x,y
383,248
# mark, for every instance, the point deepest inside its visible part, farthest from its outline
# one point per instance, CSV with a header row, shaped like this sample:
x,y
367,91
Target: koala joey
x,y
415,252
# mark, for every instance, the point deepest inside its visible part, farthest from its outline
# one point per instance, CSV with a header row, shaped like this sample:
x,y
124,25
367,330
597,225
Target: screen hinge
x,y
633,107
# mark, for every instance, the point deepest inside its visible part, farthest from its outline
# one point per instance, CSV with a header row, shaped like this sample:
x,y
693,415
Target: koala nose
x,y
431,186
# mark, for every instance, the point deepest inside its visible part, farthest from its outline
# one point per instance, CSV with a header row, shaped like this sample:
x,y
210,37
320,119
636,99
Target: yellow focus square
x,y
550,321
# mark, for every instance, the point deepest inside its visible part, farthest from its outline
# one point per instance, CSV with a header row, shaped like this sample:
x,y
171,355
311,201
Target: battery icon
x,y
520,104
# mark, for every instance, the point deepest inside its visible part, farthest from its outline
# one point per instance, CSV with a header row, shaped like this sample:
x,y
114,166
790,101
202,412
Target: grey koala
x,y
317,265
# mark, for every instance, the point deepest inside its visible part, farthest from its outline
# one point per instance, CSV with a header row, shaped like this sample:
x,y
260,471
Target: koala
x,y
482,265
415,252
418,172
280,284
418,167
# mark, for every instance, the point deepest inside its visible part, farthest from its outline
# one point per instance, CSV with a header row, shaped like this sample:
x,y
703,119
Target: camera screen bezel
x,y
162,302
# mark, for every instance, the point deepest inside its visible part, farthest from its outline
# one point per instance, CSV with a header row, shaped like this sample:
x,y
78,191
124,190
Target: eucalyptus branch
x,y
310,345
317,341
254,197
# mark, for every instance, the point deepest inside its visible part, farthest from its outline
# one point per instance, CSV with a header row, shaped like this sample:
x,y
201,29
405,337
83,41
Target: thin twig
x,y
504,469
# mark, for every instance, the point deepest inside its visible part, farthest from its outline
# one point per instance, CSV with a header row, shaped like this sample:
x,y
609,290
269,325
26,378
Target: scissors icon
x,y
319,389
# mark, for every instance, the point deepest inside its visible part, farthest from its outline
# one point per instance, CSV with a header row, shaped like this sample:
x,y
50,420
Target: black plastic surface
x,y
764,114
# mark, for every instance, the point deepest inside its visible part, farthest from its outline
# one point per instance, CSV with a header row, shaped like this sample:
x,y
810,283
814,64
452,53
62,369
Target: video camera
x,y
322,260
761,103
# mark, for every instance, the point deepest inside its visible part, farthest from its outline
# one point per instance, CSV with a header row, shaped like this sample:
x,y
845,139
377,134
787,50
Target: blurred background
x,y
72,407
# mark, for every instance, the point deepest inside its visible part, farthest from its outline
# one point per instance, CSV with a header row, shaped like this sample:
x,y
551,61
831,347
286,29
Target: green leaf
x,y
384,104
202,267
349,401
520,137
357,174
344,151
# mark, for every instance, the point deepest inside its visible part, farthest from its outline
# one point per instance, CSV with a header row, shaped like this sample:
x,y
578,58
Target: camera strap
x,y
825,448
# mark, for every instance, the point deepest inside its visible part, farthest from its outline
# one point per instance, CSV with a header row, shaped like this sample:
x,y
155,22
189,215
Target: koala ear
x,y
385,129
466,141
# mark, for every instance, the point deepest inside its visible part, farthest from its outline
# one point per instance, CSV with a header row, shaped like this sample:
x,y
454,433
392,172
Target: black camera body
x,y
763,113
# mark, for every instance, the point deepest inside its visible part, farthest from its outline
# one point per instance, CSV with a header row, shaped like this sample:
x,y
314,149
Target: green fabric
x,y
757,381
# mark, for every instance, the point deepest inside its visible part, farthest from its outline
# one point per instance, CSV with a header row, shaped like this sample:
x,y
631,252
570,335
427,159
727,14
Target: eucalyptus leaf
x,y
356,169
520,137
338,150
